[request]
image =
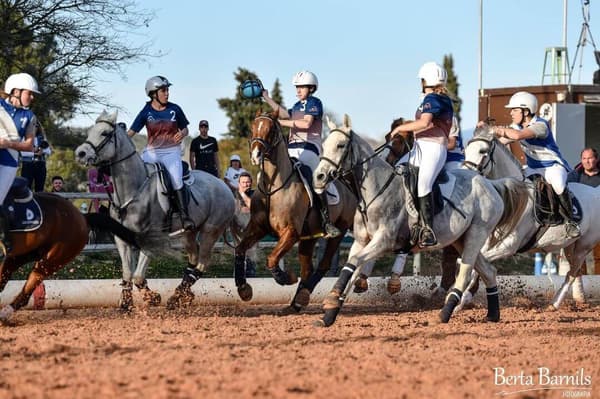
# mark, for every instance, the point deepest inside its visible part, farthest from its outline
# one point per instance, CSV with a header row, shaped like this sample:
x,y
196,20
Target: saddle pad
x,y
447,186
577,210
333,195
24,215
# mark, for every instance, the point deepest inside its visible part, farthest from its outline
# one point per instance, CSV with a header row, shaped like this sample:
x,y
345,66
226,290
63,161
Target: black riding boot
x,y
182,203
427,236
571,227
5,243
330,230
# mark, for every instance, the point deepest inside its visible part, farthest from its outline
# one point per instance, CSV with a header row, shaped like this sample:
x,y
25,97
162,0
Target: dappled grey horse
x,y
486,155
476,209
140,203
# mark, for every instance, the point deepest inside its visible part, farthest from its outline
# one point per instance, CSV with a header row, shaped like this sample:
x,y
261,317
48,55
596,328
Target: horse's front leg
x,y
308,277
380,243
150,297
129,257
7,268
253,233
287,238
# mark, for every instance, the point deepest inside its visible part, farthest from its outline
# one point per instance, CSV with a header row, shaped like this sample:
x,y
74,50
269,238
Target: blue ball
x,y
251,89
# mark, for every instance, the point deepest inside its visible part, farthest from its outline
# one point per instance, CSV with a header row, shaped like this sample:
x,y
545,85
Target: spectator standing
x,y
234,172
58,184
33,163
98,183
204,151
588,173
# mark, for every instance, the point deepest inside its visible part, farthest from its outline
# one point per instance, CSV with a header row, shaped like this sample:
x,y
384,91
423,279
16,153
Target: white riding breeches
x,y
171,159
7,176
556,175
430,158
306,157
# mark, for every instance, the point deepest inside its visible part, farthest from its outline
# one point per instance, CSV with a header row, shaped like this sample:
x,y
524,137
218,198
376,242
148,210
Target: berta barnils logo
x,y
576,384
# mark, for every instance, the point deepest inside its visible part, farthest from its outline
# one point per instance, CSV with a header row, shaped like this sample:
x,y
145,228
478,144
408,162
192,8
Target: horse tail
x,y
100,221
514,195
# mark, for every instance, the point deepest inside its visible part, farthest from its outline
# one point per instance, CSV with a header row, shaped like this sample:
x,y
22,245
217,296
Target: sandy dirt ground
x,y
248,351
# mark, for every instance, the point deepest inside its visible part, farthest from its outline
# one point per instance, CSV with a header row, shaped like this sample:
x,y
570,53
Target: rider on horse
x,y
17,132
433,121
541,151
166,126
305,121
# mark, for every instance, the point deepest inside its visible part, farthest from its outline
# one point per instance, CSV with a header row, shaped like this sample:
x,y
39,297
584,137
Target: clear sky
x,y
365,54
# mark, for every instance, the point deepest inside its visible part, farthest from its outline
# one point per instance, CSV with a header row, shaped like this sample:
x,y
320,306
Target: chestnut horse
x,y
281,206
61,236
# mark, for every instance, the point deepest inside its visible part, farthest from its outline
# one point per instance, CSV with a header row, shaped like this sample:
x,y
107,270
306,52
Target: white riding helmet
x,y
305,78
156,83
433,74
235,157
523,99
21,81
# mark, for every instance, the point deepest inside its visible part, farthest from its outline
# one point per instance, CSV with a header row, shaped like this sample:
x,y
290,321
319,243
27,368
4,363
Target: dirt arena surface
x,y
250,352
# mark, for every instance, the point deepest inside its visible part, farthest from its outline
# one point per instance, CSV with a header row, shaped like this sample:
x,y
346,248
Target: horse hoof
x,y
151,298
302,297
180,299
126,302
289,310
551,308
361,284
245,292
394,284
493,318
330,316
318,323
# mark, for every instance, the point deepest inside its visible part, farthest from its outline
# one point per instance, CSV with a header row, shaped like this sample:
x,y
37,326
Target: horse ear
x,y
106,117
347,121
275,114
102,116
330,123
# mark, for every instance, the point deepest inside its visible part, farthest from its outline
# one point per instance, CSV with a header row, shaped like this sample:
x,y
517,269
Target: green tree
x,y
453,84
63,44
241,111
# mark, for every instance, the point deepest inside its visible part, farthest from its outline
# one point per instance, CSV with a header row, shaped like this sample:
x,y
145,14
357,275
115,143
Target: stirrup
x,y
427,237
572,229
331,231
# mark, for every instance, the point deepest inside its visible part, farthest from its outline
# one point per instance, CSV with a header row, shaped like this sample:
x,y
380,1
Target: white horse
x,y
486,155
476,208
140,203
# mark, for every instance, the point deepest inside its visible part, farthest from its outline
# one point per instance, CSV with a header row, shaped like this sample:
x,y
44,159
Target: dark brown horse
x,y
281,207
60,237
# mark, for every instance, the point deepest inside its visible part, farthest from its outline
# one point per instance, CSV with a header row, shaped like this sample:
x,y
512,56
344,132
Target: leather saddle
x,y
547,205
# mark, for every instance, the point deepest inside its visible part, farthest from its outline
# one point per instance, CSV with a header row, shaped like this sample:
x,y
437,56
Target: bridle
x,y
267,151
111,136
486,160
108,137
348,176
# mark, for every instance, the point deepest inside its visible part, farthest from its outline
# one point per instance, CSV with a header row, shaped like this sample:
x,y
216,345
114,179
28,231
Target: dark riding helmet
x,y
156,83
